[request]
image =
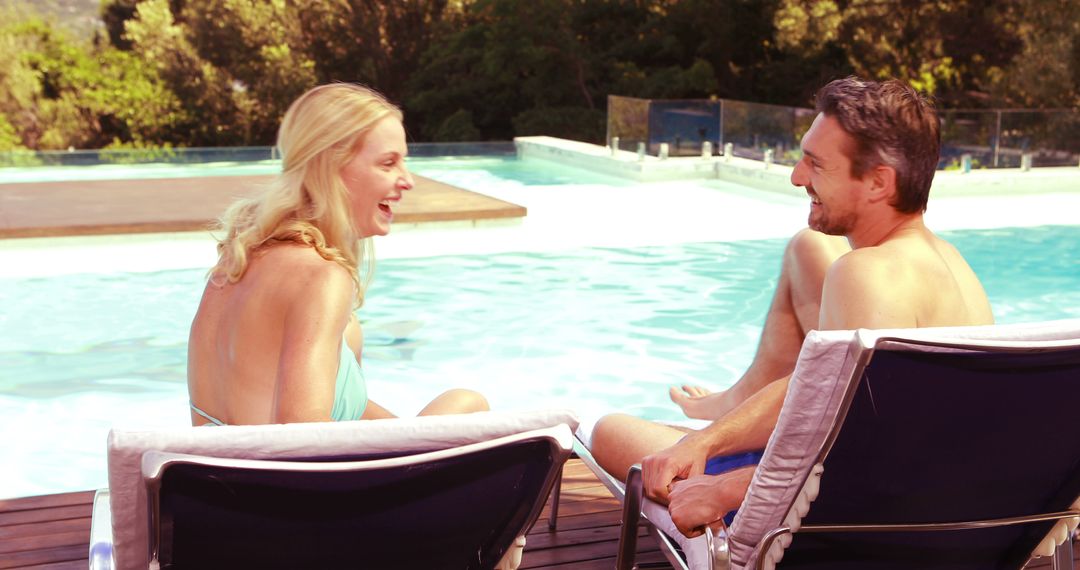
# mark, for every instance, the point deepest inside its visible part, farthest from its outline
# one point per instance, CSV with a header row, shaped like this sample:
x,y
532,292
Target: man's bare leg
x,y
620,440
793,312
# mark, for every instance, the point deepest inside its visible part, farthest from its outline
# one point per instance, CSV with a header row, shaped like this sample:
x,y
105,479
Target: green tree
x,y
1046,72
368,41
222,72
941,47
513,76
60,93
209,114
257,48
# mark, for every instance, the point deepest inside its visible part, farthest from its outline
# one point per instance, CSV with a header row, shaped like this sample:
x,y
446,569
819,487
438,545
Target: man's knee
x,y
809,245
610,427
810,253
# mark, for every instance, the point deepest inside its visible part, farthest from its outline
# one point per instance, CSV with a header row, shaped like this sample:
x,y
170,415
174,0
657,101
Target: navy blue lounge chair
x,y
923,448
455,492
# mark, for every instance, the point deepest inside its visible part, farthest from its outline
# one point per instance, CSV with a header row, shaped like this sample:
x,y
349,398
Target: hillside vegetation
x,y
161,73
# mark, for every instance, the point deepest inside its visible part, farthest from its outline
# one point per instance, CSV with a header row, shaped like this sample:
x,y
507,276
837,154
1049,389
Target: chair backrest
x,y
919,426
348,440
457,508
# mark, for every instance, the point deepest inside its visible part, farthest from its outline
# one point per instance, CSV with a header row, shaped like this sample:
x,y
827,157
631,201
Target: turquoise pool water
x,y
595,329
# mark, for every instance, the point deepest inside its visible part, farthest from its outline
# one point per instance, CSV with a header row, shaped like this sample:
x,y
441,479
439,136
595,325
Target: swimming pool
x,y
594,328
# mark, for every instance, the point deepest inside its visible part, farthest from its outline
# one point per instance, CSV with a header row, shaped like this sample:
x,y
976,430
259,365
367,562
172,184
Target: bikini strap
x,y
212,419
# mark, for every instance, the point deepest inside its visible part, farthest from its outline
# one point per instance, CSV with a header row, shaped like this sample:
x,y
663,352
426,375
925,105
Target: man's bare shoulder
x,y
867,288
894,262
865,265
906,283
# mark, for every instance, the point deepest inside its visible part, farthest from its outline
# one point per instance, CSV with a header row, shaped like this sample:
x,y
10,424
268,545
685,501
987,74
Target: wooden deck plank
x,y
28,558
46,541
46,514
89,207
606,563
11,532
576,555
46,501
52,532
68,565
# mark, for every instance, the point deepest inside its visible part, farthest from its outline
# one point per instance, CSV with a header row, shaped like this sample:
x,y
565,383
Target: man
x,y
868,161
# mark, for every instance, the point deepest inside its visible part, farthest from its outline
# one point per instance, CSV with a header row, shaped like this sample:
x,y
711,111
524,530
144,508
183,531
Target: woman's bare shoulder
x,y
299,271
298,262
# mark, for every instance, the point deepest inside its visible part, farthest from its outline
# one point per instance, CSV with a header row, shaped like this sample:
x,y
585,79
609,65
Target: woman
x,y
275,339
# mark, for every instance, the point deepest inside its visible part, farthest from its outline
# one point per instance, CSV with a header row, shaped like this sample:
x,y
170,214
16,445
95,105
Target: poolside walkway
x,y
89,207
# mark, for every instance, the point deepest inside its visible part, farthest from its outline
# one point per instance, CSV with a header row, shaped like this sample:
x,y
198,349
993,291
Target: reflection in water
x,y
391,340
126,366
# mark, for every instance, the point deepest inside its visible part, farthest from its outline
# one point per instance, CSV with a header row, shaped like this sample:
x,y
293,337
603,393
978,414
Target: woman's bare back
x,y
235,347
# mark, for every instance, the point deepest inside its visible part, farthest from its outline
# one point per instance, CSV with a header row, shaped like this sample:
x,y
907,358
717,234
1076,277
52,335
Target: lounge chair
x,y
928,448
433,492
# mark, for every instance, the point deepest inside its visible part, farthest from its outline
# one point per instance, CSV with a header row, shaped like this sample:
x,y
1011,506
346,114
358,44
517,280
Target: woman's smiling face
x,y
376,177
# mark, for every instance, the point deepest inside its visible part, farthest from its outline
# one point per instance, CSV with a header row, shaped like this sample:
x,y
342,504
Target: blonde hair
x,y
307,202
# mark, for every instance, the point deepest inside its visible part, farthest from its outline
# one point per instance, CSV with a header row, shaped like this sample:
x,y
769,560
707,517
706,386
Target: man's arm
x,y
701,501
860,291
746,428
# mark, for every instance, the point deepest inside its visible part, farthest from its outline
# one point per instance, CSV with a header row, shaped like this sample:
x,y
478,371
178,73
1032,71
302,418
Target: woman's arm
x,y
318,298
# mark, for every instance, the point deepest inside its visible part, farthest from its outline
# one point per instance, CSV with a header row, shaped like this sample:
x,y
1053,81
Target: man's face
x,y
825,173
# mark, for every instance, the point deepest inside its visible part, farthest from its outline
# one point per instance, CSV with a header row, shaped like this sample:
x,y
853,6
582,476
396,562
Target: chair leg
x,y
1063,556
512,559
556,491
624,560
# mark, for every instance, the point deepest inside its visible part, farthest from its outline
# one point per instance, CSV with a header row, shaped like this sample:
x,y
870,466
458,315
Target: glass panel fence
x,y
628,122
1049,136
991,138
753,129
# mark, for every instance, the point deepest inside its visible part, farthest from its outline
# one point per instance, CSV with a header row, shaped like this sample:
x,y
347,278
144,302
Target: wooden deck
x,y
53,531
87,207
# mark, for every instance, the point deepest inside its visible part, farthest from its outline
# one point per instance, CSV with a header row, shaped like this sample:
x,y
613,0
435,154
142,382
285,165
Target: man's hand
x,y
705,499
680,461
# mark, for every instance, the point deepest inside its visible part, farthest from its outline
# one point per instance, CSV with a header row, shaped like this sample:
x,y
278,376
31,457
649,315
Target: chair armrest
x,y
717,545
101,537
624,559
717,553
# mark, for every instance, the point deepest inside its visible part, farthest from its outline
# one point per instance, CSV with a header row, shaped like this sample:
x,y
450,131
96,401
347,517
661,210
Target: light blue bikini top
x,y
350,391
